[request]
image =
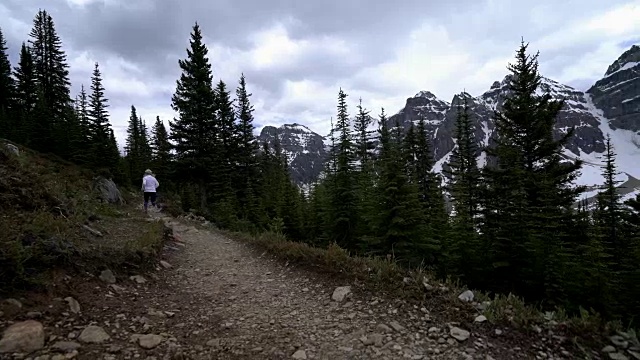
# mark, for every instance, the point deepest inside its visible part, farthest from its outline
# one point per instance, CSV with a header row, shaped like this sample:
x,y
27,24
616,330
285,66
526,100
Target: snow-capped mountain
x,y
610,106
304,150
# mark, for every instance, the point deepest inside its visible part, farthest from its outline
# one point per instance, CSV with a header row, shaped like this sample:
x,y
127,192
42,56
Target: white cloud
x,y
464,47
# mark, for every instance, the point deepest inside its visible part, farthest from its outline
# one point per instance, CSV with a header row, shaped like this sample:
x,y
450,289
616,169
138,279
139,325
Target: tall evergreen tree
x,y
82,139
26,96
161,147
52,76
224,175
7,90
133,146
194,132
528,209
246,153
464,251
103,155
399,225
344,200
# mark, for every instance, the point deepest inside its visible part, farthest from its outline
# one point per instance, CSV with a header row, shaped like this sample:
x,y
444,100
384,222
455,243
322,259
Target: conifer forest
x,y
509,227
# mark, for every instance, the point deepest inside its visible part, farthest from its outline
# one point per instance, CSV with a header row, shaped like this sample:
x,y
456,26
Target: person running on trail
x,y
149,186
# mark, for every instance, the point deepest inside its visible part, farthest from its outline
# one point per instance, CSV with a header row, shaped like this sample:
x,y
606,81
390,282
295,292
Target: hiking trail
x,y
218,298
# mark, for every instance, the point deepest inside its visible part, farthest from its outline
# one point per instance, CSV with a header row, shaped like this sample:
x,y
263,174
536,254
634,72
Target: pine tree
x,y
363,142
7,91
83,137
103,155
224,165
344,200
194,133
161,150
399,224
609,213
145,145
133,146
246,153
26,97
528,208
464,251
52,76
429,192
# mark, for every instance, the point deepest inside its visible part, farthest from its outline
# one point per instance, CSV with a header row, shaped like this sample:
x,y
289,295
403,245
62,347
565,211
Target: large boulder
x,y
107,190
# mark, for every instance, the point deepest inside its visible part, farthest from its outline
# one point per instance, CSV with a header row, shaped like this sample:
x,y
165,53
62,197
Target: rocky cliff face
x,y
304,150
617,94
611,106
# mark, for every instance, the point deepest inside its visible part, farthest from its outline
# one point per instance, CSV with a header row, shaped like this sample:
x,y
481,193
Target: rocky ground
x,y
215,298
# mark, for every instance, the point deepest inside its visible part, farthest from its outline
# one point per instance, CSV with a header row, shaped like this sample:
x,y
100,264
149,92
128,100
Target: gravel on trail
x,y
217,298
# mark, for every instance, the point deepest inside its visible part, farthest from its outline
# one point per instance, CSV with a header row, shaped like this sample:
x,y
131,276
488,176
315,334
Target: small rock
x,y
34,314
498,332
14,149
480,318
396,326
138,279
383,328
300,355
634,354
14,303
466,296
619,341
608,349
108,277
618,356
213,342
340,293
26,336
74,306
66,346
165,264
149,341
459,334
93,334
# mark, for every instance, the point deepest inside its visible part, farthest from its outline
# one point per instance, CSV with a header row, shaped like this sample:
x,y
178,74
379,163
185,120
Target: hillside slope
x,y
55,217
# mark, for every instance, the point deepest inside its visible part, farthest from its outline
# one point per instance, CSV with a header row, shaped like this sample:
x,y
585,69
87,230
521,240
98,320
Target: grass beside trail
x,y
47,205
585,333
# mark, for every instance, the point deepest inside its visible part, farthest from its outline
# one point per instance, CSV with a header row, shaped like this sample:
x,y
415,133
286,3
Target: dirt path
x,y
220,299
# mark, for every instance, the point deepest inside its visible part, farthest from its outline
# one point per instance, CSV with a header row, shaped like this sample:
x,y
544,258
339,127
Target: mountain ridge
x,y
610,106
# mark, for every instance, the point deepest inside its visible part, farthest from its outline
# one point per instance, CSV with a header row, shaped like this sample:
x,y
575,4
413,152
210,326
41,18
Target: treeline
x,y
512,226
38,111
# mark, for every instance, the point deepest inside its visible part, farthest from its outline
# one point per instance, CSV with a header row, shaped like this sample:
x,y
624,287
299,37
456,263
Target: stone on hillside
x,y
149,341
619,341
466,296
618,356
165,264
13,149
396,326
300,355
138,278
94,334
459,334
74,306
24,337
66,346
608,349
341,293
107,190
107,276
14,303
480,318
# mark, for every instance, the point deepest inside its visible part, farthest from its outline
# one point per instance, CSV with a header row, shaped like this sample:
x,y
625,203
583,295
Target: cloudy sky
x,y
296,54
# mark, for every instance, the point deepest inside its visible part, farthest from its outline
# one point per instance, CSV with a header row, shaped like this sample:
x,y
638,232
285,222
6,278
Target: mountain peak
x,y
627,60
425,94
296,126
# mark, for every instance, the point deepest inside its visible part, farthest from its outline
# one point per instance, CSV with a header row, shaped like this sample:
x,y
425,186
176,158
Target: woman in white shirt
x,y
149,186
